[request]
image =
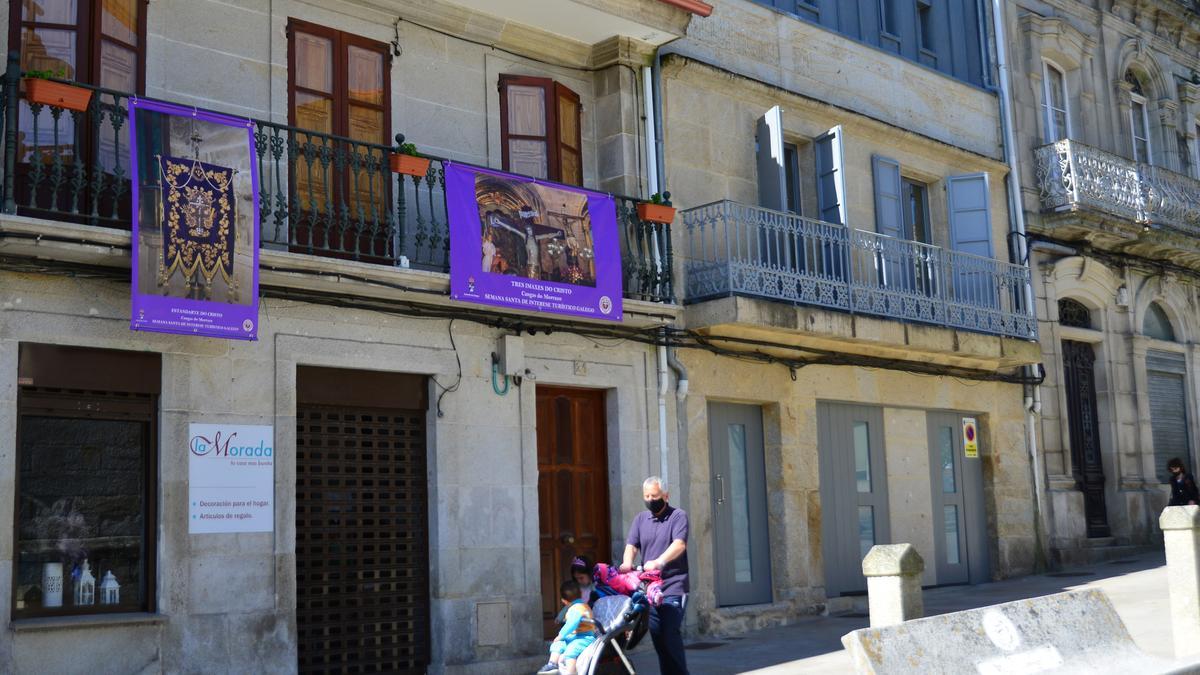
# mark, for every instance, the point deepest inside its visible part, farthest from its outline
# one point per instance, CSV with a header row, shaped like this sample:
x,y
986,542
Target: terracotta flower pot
x,y
57,94
656,213
410,164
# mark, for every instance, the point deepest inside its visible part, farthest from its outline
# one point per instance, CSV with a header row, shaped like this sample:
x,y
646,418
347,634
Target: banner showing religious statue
x,y
195,223
527,244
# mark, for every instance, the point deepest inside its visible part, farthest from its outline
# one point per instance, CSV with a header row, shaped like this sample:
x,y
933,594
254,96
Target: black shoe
x,y
551,668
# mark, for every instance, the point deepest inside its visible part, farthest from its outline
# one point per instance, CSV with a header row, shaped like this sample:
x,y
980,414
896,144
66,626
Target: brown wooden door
x,y
1082,416
572,486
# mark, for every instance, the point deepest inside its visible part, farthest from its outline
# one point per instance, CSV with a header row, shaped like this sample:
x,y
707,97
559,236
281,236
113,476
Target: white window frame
x,y
1140,100
1052,132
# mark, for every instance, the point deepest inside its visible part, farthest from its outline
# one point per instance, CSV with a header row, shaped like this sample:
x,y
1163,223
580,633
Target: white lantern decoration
x,y
110,590
52,584
85,586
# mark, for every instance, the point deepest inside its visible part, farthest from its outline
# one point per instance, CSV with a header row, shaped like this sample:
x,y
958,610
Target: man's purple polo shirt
x,y
652,535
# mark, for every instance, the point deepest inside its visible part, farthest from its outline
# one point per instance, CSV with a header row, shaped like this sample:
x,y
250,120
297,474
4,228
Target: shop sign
x,y
231,478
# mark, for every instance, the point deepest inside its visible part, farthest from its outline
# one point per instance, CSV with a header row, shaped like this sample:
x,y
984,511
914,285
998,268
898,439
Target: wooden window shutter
x,y
527,125
570,137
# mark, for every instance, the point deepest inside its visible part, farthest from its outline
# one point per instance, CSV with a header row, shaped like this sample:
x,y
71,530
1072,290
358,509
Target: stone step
x,y
1096,555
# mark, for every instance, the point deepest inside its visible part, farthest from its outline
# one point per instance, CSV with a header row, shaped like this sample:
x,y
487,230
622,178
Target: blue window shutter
x,y
971,232
831,184
772,188
970,214
889,209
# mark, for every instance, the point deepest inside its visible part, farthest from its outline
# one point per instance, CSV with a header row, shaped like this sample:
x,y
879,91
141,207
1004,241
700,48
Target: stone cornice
x,y
619,50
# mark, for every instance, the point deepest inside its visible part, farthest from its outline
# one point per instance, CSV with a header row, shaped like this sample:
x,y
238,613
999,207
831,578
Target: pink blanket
x,y
627,583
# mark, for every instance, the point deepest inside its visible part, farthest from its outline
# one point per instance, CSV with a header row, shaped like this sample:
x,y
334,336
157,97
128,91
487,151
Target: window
x,y
540,129
338,85
86,481
791,178
1074,314
1157,325
915,198
96,42
100,42
925,25
888,21
1139,120
1054,103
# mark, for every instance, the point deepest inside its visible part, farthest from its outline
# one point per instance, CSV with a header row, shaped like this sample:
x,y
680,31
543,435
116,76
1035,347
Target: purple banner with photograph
x,y
527,244
195,222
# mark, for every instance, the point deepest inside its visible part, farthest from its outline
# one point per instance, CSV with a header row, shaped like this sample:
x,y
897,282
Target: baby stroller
x,y
622,622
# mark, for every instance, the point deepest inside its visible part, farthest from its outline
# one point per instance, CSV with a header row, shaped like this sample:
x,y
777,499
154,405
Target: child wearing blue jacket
x,y
578,631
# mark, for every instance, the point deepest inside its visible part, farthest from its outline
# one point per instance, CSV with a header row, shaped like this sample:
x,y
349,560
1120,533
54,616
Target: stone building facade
x,y
356,354
846,331
1106,118
823,189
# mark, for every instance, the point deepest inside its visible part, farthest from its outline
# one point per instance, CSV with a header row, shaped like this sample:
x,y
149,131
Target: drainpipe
x,y
653,155
1019,253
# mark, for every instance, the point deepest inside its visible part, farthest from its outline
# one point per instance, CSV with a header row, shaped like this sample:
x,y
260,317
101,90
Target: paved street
x,y
1137,587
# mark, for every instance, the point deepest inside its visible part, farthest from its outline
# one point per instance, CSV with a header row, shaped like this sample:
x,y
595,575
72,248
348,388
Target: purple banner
x,y
526,244
195,222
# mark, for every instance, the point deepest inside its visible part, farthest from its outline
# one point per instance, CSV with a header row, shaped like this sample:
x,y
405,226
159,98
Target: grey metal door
x,y
854,500
1168,411
959,518
739,489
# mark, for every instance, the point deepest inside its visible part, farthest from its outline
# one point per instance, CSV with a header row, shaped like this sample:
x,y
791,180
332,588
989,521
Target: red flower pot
x,y
57,94
656,213
410,164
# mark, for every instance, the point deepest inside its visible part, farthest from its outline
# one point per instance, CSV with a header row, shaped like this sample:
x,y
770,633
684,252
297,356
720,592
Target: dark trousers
x,y
666,623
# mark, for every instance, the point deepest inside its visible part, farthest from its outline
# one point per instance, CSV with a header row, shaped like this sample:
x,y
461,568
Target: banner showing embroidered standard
x,y
541,246
195,263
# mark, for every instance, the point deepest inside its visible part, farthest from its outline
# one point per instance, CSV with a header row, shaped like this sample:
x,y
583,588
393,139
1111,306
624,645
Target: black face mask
x,y
655,505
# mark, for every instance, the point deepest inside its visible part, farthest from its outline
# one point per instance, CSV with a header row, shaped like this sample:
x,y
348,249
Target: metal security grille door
x,y
362,528
854,500
1086,464
959,518
1168,411
739,489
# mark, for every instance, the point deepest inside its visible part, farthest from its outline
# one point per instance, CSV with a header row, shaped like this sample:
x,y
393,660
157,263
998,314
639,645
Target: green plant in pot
x,y
42,88
658,209
407,160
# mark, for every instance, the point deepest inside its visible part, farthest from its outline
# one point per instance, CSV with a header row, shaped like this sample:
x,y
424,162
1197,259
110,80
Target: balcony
x,y
1091,195
333,200
890,292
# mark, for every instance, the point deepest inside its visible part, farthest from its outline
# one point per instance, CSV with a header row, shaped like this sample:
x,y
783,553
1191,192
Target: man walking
x,y
660,533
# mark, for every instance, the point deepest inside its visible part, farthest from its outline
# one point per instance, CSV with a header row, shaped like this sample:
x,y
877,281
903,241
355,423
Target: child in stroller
x,y
621,604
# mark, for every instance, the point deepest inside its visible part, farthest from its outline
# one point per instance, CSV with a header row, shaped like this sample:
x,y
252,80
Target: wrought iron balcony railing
x,y
734,249
318,194
1073,175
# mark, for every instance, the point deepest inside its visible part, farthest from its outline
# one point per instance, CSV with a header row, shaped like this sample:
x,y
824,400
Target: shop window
x,y
540,129
86,481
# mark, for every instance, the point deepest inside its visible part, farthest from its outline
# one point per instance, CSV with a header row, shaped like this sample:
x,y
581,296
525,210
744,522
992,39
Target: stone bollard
x,y
1181,537
893,574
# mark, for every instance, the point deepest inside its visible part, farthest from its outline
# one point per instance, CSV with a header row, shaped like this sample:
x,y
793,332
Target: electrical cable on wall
x,y
750,350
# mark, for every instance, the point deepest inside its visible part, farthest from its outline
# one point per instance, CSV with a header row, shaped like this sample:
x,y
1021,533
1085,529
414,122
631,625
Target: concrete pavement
x,y
1136,585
